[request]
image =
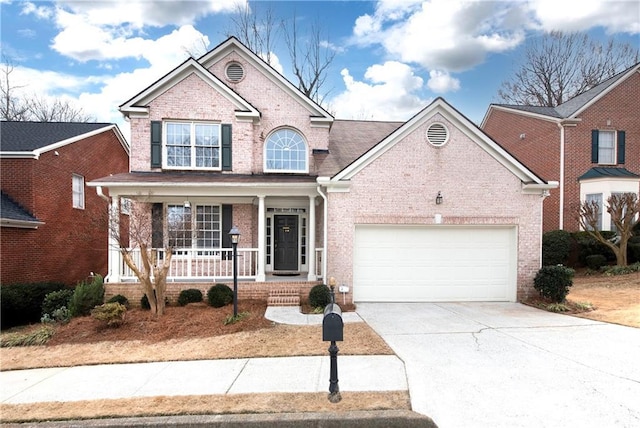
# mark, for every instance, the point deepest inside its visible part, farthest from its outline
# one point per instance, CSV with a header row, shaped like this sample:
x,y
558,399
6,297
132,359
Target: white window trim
x,y
212,251
165,151
77,192
286,171
615,146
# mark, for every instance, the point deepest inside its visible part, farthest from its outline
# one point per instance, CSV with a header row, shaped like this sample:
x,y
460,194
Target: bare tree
x,y
624,209
34,107
12,108
309,59
135,243
560,66
310,54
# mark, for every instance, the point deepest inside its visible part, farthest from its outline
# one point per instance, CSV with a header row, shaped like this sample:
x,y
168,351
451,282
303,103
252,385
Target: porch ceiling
x,y
206,183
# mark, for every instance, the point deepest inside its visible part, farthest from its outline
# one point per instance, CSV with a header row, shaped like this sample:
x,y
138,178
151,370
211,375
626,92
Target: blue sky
x,y
392,57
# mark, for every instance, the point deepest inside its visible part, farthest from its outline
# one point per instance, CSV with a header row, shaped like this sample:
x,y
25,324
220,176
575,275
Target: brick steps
x,y
284,297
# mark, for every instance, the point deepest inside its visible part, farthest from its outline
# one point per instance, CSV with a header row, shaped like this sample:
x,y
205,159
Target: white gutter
x,y
324,234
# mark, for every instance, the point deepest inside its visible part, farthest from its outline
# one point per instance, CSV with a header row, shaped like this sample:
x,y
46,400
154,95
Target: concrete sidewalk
x,y
231,376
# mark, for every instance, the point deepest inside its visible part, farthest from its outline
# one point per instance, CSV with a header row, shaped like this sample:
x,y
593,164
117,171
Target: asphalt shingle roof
x,y
30,136
11,210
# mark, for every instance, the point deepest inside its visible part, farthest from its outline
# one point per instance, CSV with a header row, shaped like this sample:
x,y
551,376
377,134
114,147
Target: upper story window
x,y
193,145
77,190
607,147
285,151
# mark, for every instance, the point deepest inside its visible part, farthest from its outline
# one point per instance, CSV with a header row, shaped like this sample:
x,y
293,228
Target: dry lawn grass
x,y
616,299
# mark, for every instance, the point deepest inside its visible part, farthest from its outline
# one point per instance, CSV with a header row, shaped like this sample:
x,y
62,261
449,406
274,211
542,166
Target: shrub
x,y
595,261
86,296
553,282
556,246
319,296
119,298
110,313
191,295
588,245
22,303
633,249
61,315
36,337
56,300
622,270
220,295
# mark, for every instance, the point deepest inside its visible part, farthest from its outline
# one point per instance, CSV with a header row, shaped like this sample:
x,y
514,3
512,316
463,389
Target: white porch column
x,y
114,246
311,248
260,275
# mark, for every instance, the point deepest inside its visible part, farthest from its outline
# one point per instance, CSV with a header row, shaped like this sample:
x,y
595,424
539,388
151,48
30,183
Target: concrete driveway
x,y
510,365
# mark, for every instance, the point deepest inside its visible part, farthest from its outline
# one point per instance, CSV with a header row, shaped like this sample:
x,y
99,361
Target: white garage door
x,y
434,264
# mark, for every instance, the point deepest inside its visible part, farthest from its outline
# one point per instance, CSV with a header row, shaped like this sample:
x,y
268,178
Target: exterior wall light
x,y
439,198
187,204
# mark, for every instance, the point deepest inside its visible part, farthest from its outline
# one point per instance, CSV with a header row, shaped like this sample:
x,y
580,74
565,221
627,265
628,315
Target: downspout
x,y
324,234
561,180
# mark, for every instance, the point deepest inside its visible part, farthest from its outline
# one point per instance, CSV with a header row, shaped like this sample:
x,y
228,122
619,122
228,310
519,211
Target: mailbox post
x,y
332,331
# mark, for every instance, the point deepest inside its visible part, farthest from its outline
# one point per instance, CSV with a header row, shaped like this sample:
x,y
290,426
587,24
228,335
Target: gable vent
x,y
437,134
235,72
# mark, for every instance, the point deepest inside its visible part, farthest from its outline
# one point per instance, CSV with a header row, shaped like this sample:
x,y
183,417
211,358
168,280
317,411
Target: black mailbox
x,y
332,324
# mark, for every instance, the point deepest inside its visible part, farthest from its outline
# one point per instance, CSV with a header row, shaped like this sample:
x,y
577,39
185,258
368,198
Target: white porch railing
x,y
200,264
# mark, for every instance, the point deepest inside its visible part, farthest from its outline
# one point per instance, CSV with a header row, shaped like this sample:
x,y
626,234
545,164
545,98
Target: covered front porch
x,y
281,222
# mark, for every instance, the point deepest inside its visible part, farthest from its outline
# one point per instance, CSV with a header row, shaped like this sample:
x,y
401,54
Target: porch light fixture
x,y
235,236
187,204
439,198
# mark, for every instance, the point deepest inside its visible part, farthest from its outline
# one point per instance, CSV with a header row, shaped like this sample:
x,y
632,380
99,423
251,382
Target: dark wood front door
x,y
286,242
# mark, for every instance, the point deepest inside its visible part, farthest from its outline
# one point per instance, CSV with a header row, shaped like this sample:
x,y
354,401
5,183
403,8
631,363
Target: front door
x,y
286,242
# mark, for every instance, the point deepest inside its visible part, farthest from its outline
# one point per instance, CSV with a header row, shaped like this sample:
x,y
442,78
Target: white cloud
x,y
388,94
441,82
581,15
273,61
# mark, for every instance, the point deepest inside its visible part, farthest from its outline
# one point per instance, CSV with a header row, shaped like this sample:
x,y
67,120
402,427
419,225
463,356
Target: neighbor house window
x,y
285,151
192,145
196,226
77,189
597,198
607,147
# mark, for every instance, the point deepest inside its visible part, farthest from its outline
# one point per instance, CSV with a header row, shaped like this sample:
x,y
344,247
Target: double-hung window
x,y
193,145
596,198
77,190
194,227
607,147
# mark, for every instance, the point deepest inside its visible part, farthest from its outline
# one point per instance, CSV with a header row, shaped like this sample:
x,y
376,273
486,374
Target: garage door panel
x,y
421,263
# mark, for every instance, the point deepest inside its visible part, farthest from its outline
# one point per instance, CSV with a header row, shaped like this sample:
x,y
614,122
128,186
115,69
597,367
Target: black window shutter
x,y
594,146
156,144
157,222
227,224
621,136
226,147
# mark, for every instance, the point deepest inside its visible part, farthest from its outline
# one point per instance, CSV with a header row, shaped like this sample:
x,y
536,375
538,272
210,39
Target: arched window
x,y
285,151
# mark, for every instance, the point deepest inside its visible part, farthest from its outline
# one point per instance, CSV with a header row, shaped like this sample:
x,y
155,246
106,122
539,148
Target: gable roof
x,y
318,114
529,179
13,215
138,104
573,107
31,139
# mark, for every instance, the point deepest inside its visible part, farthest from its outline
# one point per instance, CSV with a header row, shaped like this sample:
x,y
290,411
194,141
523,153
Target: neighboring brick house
x,y
52,229
427,210
589,144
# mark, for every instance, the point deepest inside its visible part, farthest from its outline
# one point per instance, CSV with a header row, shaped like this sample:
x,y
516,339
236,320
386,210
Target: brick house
x,y
589,144
50,228
427,210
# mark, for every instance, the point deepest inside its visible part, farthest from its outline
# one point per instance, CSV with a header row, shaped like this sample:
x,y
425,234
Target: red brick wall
x,y
539,151
72,242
